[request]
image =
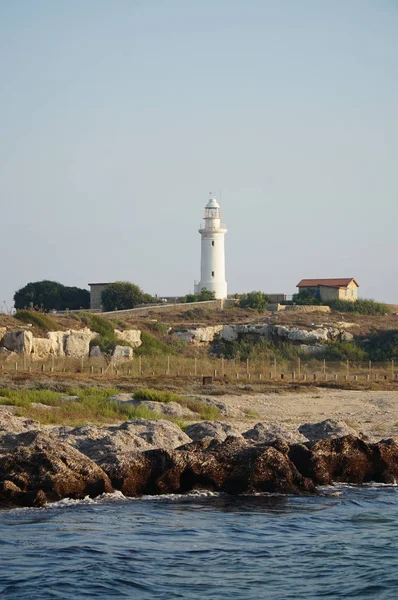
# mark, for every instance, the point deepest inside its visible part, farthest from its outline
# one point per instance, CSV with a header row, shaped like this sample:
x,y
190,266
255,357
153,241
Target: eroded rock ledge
x,y
39,466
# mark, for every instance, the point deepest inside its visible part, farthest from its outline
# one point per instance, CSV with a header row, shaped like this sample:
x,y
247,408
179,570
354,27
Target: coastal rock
x,y
216,430
77,343
41,348
113,442
37,463
131,336
18,341
264,433
232,466
123,353
326,430
3,331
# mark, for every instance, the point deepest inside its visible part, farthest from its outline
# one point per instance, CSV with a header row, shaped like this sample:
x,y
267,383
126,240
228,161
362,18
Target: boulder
x,y
229,333
123,353
41,348
223,407
171,409
327,429
216,430
95,352
131,336
38,464
264,433
77,343
3,331
18,341
346,336
312,349
8,354
10,423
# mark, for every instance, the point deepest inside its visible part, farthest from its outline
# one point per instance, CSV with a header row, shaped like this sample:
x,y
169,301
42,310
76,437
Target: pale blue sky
x,y
118,117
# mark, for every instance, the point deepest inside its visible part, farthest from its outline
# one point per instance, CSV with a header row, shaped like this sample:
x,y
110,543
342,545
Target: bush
x,y
261,350
123,295
343,351
257,300
382,346
106,338
51,295
203,296
152,346
41,320
306,297
361,307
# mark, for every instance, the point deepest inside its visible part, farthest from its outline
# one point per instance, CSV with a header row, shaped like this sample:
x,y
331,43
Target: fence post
x,y
247,366
168,364
299,368
196,366
348,370
275,368
392,368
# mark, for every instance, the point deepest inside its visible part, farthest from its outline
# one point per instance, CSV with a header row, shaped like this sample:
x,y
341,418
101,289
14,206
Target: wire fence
x,y
218,368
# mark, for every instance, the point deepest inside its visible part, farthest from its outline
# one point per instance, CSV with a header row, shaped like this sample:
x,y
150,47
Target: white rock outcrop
x,y
77,343
41,348
131,336
199,335
3,331
18,341
57,339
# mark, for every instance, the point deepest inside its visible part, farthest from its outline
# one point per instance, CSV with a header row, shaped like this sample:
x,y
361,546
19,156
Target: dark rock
x,y
40,467
232,466
263,433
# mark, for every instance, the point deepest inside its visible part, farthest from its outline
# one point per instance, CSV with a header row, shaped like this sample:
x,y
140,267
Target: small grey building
x,y
96,290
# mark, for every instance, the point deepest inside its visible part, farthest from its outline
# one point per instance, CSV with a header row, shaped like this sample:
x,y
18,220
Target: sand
x,y
372,413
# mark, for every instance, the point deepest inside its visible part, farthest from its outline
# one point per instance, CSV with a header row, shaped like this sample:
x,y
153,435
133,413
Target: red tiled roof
x,y
327,282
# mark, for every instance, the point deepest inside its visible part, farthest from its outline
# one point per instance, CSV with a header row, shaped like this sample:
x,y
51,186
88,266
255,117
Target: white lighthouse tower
x,y
212,263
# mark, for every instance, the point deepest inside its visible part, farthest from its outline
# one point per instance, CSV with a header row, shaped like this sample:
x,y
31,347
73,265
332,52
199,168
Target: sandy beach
x,y
374,413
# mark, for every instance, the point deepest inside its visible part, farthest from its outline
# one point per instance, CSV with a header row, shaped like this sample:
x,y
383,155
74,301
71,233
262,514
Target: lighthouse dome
x,y
212,203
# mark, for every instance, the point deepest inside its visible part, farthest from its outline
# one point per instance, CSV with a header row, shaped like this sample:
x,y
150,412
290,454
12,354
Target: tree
x,y
256,300
51,295
123,295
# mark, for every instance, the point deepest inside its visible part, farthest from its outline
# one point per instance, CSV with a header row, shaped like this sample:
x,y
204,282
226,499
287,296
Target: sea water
x,y
340,544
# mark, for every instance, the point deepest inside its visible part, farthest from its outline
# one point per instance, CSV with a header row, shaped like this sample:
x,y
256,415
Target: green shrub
x,y
123,295
152,346
382,346
206,411
342,351
203,296
39,319
262,350
360,307
257,300
156,395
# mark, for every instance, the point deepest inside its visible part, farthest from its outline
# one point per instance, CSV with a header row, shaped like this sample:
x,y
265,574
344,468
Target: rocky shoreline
x,y
154,456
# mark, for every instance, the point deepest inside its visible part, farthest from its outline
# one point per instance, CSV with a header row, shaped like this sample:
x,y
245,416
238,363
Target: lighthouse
x,y
212,260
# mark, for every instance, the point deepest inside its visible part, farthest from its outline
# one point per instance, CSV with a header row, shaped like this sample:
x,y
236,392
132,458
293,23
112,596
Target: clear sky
x,y
117,117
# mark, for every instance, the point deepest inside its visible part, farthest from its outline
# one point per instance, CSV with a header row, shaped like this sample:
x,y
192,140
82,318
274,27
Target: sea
x,y
342,543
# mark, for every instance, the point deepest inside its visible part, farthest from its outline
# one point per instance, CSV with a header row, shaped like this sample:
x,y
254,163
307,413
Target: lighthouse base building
x,y
212,261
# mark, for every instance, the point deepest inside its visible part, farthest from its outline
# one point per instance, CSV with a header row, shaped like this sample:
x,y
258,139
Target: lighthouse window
x,y
212,243
212,273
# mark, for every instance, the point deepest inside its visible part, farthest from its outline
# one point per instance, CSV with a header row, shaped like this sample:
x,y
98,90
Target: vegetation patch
x,y
41,320
151,346
206,411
